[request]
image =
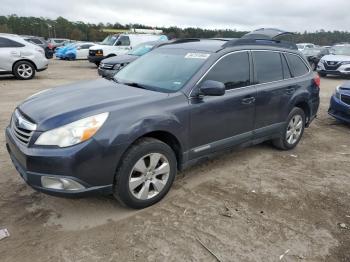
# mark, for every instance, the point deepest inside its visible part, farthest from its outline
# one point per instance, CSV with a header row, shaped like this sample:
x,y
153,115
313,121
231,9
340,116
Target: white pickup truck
x,y
119,44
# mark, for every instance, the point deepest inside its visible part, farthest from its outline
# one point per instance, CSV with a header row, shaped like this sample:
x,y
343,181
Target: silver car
x,y
20,58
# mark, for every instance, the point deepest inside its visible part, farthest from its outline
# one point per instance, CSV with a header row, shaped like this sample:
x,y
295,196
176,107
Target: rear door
x,y
273,91
224,121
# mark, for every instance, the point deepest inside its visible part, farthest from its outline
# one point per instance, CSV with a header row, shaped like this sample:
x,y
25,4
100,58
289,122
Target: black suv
x,y
165,111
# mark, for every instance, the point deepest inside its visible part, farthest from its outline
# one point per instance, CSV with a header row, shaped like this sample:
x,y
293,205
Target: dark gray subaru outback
x,y
170,108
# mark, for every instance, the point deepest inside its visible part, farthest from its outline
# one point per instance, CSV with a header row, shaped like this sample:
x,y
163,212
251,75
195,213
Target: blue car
x,y
340,103
60,52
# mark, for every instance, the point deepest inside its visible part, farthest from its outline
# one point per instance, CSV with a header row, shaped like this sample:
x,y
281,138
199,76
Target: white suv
x,y
20,58
337,63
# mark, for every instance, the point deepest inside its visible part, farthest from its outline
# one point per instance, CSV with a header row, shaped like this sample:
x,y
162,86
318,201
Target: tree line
x,y
63,28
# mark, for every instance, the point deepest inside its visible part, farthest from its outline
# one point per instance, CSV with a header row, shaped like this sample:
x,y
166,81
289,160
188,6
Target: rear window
x,y
268,67
297,65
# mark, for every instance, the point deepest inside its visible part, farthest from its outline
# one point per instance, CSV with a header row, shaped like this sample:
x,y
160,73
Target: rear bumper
x,y
339,110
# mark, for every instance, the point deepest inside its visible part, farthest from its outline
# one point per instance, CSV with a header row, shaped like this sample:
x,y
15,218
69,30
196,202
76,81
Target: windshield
x,y
164,70
141,49
341,50
110,40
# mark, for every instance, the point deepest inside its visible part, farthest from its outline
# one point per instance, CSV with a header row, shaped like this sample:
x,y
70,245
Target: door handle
x,y
290,90
248,100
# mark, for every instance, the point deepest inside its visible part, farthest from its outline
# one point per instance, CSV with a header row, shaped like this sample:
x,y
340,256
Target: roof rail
x,y
267,42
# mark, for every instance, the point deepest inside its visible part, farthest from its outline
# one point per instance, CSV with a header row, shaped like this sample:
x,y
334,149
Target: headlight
x,y
336,92
117,66
345,63
73,133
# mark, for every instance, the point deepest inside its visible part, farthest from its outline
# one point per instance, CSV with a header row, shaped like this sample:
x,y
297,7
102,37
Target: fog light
x,y
60,183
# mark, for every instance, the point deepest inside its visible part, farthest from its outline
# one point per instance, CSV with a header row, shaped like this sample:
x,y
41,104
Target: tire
x,y
322,74
97,64
291,133
147,188
24,70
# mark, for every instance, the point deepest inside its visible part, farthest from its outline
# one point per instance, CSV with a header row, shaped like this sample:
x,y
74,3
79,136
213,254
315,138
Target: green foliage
x,y
64,28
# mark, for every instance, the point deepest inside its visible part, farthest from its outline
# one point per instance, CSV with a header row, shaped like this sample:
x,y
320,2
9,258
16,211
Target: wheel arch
x,y
26,60
304,105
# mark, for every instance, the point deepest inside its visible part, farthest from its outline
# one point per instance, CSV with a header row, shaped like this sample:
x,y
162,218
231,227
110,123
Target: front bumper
x,y
95,59
339,110
109,74
338,70
83,163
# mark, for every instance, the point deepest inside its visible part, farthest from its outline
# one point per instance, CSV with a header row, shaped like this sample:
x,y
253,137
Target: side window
x,y
286,71
232,70
85,46
124,40
35,41
268,66
297,65
4,42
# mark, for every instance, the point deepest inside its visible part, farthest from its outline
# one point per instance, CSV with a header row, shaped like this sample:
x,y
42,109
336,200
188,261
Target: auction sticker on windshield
x,y
197,55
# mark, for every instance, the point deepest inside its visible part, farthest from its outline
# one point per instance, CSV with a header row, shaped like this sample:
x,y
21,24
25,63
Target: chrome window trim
x,y
246,50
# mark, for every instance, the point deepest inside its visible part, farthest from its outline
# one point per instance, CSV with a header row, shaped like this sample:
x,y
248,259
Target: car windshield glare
x,y
141,49
109,40
163,70
341,50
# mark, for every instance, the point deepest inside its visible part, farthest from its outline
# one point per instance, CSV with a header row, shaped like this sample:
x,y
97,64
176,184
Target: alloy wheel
x,y
294,129
25,71
149,176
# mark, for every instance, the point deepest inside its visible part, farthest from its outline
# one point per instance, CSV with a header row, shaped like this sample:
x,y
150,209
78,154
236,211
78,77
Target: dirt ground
x,y
252,204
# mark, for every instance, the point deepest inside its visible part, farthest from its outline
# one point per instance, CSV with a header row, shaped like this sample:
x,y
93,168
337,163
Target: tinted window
x,y
4,42
85,46
232,70
268,66
297,65
124,40
286,71
35,41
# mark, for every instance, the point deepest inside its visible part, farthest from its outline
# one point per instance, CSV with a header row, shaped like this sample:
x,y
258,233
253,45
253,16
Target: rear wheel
x,y
146,173
24,70
293,130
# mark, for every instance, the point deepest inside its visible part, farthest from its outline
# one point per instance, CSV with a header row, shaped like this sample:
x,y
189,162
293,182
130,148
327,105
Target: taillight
x,y
317,80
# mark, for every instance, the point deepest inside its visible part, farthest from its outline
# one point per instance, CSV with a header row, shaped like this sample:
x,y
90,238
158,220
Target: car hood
x,y
63,105
336,58
121,59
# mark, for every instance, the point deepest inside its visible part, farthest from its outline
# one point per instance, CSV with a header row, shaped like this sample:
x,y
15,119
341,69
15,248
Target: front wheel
x,y
146,173
24,70
293,130
322,74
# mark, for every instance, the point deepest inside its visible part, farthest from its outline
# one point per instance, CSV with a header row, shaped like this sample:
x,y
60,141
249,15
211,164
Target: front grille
x,y
21,128
345,99
106,66
331,65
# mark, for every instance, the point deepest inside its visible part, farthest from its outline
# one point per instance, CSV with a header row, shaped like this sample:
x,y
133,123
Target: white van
x,y
114,45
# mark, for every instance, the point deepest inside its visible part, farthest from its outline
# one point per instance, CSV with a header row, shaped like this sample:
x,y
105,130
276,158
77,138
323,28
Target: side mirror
x,y
212,88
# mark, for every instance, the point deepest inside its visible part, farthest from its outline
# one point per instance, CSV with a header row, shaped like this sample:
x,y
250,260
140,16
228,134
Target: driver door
x,y
224,121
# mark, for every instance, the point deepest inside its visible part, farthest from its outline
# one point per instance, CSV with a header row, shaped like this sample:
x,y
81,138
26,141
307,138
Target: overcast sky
x,y
293,15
